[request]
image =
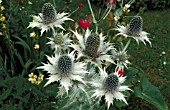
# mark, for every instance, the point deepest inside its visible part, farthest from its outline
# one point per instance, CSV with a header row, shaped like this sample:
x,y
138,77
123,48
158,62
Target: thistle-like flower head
x,y
134,30
109,86
48,13
121,58
49,18
64,69
59,41
93,47
135,25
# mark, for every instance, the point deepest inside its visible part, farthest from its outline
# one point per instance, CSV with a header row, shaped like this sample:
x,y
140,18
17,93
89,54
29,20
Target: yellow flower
x,y
32,77
2,8
128,11
34,20
2,18
126,7
1,34
32,34
40,77
29,2
37,82
36,46
116,18
3,26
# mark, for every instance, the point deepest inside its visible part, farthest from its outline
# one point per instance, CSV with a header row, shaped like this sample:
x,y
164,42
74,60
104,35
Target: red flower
x,y
120,71
80,5
86,25
111,1
83,23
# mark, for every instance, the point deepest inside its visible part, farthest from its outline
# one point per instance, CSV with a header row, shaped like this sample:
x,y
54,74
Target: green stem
x,y
94,20
74,11
104,13
54,3
122,4
126,46
107,12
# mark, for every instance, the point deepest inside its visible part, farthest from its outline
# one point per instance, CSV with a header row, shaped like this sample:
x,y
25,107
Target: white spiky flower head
x,y
121,58
109,86
59,41
49,18
64,69
92,46
134,30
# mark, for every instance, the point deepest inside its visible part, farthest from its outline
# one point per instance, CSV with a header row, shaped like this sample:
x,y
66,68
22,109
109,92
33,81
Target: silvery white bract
x,y
134,30
121,58
49,19
59,42
64,69
109,86
93,47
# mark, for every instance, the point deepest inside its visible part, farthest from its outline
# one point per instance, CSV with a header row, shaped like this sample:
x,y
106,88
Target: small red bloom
x,y
80,4
83,23
111,1
120,71
86,25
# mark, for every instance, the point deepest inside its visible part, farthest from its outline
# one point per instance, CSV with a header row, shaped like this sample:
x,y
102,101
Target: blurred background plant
x,y
22,50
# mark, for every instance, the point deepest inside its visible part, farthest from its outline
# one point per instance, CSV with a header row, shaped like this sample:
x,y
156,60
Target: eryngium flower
x,y
49,18
59,41
64,69
121,58
92,46
109,86
134,30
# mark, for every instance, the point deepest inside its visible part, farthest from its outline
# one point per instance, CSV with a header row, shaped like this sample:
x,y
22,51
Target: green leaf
x,y
131,72
150,93
26,66
39,92
20,59
6,93
119,104
8,107
23,43
51,90
20,106
32,107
